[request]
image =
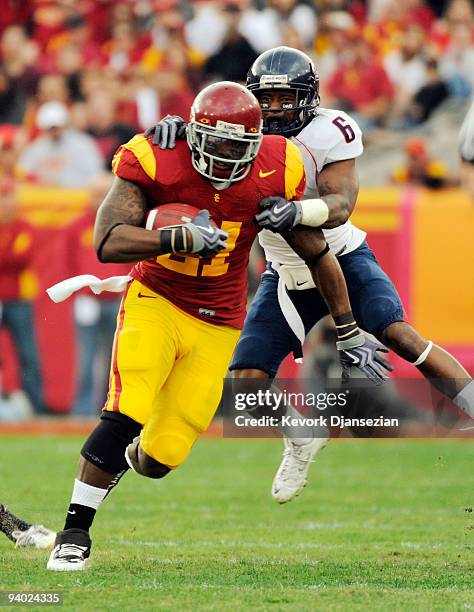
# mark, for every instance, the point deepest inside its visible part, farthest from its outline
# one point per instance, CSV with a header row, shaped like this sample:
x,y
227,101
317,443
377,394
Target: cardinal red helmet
x,y
224,132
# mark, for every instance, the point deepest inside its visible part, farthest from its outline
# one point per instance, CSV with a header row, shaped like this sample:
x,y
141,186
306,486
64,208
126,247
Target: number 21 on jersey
x,y
194,266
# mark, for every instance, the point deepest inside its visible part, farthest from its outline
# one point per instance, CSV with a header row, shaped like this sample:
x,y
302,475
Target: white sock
x,y
87,495
465,399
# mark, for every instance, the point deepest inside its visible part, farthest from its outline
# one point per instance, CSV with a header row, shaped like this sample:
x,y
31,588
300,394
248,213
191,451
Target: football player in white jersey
x,y
287,304
467,150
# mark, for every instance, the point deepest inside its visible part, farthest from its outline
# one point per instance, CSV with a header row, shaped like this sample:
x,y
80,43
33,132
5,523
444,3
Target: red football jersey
x,y
213,289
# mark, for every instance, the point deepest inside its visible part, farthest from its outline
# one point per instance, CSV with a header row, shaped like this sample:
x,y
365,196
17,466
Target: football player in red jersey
x,y
181,315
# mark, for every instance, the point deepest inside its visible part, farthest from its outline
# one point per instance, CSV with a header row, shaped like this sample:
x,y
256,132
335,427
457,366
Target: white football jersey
x,y
467,136
331,136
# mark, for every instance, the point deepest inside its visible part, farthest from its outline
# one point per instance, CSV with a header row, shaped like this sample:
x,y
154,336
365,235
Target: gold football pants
x,y
167,372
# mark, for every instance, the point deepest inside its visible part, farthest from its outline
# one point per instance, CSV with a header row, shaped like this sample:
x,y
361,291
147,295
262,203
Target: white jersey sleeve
x,y
466,136
330,137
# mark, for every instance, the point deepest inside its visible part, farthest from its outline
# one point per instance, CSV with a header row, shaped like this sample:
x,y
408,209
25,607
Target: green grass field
x,y
381,526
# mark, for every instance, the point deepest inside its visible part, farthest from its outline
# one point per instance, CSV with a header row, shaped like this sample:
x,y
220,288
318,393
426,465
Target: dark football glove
x,y
207,239
166,132
363,353
279,214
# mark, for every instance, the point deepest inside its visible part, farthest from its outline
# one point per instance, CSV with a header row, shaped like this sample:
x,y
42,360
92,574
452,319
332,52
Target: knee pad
x,y
170,450
105,447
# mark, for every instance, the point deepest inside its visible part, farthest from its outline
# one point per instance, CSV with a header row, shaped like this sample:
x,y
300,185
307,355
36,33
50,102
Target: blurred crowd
x,y
80,77
119,65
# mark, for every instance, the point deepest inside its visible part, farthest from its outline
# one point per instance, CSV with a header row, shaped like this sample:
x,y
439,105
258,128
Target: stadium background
x,y
120,66
382,524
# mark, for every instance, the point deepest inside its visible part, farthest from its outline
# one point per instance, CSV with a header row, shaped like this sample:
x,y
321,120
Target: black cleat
x,y
71,551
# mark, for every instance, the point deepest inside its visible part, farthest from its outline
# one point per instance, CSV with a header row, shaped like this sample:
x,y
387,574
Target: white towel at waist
x,y
296,278
61,291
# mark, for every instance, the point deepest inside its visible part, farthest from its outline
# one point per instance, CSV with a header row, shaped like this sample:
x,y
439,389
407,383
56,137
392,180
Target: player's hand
x,y
166,132
279,214
207,239
365,354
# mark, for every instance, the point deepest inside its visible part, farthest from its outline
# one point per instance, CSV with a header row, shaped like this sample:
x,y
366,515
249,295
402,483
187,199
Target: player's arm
x,y
338,186
310,244
338,183
118,235
120,238
355,348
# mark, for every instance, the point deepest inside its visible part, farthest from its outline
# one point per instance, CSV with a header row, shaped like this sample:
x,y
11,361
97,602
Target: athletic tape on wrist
x,y
314,212
173,239
346,327
345,319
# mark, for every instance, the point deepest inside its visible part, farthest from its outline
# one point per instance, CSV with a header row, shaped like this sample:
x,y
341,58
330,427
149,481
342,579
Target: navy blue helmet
x,y
285,69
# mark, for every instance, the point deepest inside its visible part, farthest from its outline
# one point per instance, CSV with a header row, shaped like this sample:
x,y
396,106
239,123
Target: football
x,y
170,214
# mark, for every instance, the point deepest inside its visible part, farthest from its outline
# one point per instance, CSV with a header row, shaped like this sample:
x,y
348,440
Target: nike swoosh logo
x,y
263,174
299,283
277,210
151,297
71,512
